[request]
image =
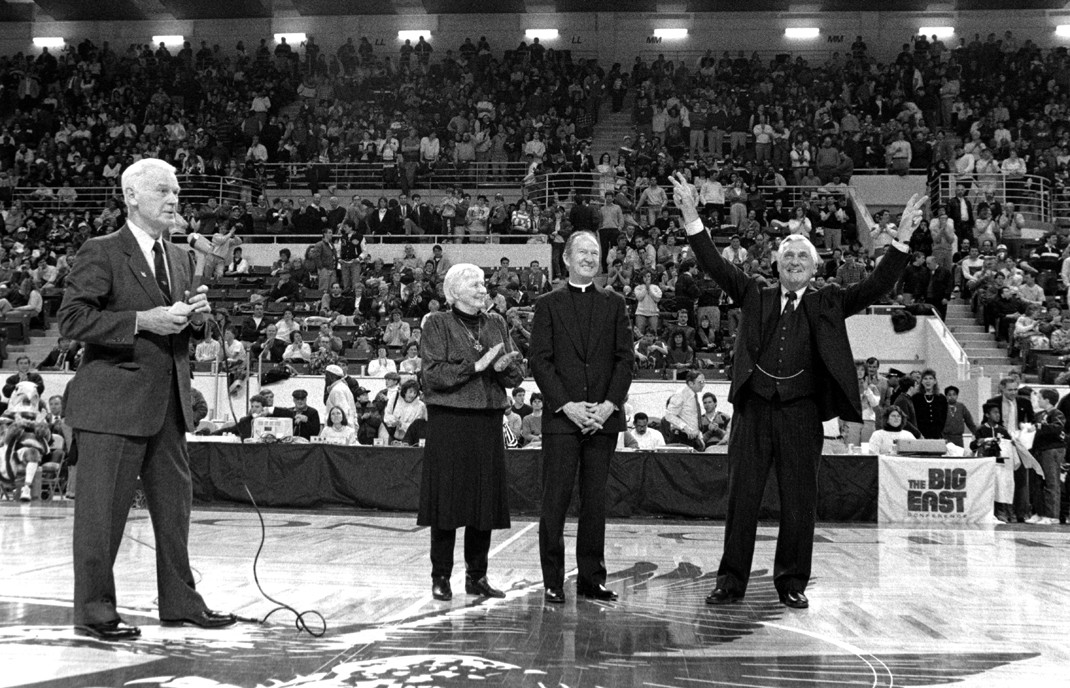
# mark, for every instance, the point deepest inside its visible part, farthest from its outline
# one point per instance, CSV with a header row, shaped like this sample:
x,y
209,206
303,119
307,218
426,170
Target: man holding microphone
x,y
130,299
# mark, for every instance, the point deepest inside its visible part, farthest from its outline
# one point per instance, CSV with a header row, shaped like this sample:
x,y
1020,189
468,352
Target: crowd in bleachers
x,y
769,143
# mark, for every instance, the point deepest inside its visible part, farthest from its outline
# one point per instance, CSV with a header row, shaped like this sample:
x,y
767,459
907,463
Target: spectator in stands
x,y
305,418
531,424
237,264
338,429
271,348
405,409
683,412
253,326
1049,447
208,350
23,374
647,296
642,436
930,407
382,365
883,233
713,423
883,441
409,368
851,272
223,241
286,290
65,355
857,433
397,332
298,351
959,418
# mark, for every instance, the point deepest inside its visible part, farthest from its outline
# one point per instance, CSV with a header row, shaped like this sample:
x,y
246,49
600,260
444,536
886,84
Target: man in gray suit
x,y
130,299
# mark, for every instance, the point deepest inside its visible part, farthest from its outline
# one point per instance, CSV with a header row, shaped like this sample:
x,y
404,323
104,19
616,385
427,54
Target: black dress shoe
x,y
596,592
440,589
721,595
481,587
555,595
795,600
111,630
205,619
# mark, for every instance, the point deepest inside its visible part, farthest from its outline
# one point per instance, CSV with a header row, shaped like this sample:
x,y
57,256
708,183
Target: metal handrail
x,y
381,175
195,189
1031,194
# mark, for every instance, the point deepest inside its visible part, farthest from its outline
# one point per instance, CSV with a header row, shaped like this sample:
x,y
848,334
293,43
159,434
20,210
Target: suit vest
x,y
785,370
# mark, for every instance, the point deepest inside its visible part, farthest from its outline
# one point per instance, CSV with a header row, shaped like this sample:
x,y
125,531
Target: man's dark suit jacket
x,y
389,224
250,331
1025,410
827,310
117,389
954,211
562,371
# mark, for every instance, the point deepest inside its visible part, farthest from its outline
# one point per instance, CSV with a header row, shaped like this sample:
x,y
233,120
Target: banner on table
x,y
935,490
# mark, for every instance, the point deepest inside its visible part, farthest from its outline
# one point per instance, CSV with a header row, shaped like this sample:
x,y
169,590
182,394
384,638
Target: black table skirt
x,y
641,484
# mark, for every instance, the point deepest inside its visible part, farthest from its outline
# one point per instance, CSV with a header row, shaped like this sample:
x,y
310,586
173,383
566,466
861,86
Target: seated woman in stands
x,y
681,356
404,410
883,441
382,364
409,368
338,429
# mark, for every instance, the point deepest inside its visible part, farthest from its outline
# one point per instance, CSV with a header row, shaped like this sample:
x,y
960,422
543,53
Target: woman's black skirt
x,y
464,480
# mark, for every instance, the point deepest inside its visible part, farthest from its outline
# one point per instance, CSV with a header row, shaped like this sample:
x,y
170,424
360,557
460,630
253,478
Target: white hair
x,y
133,175
457,274
797,239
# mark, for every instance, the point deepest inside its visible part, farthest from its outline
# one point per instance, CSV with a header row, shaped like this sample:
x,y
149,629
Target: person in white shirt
x,y
734,253
339,393
257,152
338,428
237,264
643,437
683,411
883,441
298,351
382,365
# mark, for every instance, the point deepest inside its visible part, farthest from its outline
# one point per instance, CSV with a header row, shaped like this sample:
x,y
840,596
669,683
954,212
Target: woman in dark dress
x,y
930,407
468,362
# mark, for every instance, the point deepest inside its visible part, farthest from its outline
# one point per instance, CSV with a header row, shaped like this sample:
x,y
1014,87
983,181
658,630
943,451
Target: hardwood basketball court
x,y
982,607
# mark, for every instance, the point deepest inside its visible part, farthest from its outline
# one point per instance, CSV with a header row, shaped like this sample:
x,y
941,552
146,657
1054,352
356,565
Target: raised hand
x,y
913,214
685,197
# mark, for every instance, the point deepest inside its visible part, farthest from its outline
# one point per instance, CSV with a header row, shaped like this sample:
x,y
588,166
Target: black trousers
x,y
563,457
788,437
476,546
109,467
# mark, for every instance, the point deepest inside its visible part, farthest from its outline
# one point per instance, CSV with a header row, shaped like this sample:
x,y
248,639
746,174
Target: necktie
x,y
161,271
789,307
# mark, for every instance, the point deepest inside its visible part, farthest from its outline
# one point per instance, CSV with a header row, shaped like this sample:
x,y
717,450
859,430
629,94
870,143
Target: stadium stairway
x,y
980,347
611,129
37,348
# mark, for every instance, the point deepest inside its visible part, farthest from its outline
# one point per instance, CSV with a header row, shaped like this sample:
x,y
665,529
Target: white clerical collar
x,y
581,287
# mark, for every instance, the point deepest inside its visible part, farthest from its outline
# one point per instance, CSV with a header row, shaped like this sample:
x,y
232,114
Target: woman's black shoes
x,y
440,589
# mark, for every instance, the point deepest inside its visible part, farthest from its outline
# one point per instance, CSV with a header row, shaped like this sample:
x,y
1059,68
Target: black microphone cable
x,y
299,617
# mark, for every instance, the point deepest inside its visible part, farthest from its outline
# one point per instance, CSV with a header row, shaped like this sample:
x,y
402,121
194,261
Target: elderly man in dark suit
x,y
793,369
129,300
581,359
1016,411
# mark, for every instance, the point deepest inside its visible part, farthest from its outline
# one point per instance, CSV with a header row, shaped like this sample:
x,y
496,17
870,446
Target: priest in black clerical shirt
x,y
581,359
